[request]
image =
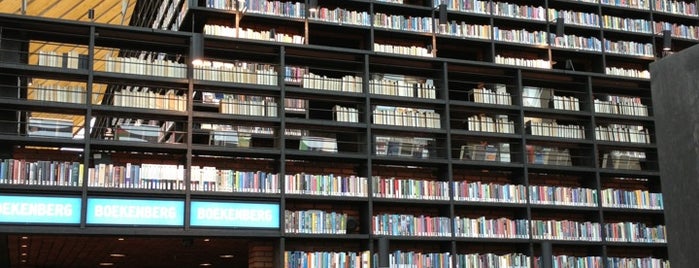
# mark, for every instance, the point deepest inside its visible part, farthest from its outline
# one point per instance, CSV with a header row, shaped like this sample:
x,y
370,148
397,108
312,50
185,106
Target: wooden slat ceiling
x,y
106,11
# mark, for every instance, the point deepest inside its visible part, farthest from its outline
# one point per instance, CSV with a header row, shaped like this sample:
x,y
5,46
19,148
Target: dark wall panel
x,y
675,89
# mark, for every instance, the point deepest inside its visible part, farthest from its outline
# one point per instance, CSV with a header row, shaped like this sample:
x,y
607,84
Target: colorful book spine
x,y
516,11
342,16
132,176
43,172
638,199
574,17
399,22
491,228
566,230
678,30
227,180
486,260
629,48
648,262
489,192
521,36
410,189
315,222
626,24
416,259
326,185
567,196
326,259
411,225
635,232
463,29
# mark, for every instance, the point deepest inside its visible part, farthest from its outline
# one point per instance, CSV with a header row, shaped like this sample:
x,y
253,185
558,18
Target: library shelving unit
x,y
508,132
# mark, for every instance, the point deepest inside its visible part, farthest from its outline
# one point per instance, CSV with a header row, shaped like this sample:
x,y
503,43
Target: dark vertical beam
x,y
4,251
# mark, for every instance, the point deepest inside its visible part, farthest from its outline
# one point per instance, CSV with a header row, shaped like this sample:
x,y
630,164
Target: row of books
x,y
517,11
59,93
621,105
404,50
52,173
499,95
422,88
165,14
629,48
485,260
399,22
648,262
521,36
276,8
471,6
326,259
154,67
627,72
568,103
574,17
626,24
220,30
70,60
295,105
553,129
576,42
266,107
498,124
406,117
345,114
641,199
212,179
463,29
237,72
560,195
617,159
225,4
326,185
143,176
410,188
566,230
534,63
478,191
491,228
543,155
146,98
678,30
635,232
315,222
294,74
676,7
637,4
406,259
561,261
341,16
347,83
410,225
483,151
622,133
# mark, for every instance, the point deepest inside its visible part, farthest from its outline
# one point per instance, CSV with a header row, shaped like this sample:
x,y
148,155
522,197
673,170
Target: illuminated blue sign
x,y
234,214
39,209
135,212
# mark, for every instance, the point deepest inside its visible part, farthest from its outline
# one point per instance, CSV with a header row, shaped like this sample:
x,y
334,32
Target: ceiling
x,y
111,251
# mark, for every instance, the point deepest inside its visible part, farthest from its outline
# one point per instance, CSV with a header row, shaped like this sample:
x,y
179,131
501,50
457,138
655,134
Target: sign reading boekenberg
x,y
39,209
135,212
234,214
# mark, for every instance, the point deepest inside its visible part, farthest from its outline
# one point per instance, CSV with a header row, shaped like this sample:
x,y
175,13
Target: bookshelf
x,y
478,125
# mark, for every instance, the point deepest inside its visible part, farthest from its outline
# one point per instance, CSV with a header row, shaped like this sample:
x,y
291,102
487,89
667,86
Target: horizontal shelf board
x,y
563,207
234,151
399,6
25,188
398,160
234,117
557,139
490,204
246,195
630,9
44,106
325,197
485,134
280,18
42,141
404,99
465,38
409,129
44,71
239,87
578,2
513,43
577,50
633,210
635,244
381,30
675,15
486,164
649,35
581,27
327,236
339,24
491,240
552,111
124,78
648,119
298,154
416,238
541,167
137,146
629,56
484,105
325,123
410,201
630,145
628,172
310,92
130,112
569,242
529,21
137,191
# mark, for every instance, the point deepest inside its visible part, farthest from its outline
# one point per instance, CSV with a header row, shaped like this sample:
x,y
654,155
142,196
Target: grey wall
x,y
675,90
